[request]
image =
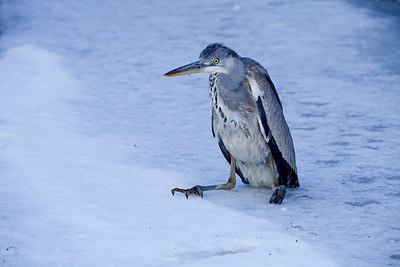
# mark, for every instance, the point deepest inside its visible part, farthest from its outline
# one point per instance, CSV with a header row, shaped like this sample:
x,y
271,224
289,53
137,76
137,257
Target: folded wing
x,y
272,122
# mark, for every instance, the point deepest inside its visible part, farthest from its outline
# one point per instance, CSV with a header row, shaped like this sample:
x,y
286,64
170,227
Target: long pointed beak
x,y
192,68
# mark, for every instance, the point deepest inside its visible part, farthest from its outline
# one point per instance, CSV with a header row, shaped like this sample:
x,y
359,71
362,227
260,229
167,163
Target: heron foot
x,y
278,195
197,190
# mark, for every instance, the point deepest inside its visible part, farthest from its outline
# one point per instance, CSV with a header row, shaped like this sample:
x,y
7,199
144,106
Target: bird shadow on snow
x,y
254,202
250,200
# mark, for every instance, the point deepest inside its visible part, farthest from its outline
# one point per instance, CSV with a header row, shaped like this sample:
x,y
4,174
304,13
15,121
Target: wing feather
x,y
272,122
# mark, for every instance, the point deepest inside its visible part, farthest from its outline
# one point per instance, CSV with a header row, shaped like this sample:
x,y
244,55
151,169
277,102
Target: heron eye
x,y
216,60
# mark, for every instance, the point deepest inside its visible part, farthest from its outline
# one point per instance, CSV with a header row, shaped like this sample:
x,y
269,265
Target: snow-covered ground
x,y
93,137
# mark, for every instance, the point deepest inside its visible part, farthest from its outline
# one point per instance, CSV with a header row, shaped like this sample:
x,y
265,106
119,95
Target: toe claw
x,y
278,195
197,190
272,199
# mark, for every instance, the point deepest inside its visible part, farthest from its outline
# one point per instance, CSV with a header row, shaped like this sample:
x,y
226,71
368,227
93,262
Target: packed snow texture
x,y
93,137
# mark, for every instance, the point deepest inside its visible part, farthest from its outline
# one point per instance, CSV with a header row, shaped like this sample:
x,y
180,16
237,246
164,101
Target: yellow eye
x,y
216,60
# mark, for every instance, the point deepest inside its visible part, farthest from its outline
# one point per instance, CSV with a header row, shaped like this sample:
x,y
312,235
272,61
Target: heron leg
x,y
198,189
279,190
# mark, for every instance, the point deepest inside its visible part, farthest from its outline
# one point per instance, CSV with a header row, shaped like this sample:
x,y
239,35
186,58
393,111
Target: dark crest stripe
x,y
211,48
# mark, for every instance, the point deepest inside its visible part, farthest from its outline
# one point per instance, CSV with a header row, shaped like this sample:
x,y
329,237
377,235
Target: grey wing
x,y
272,123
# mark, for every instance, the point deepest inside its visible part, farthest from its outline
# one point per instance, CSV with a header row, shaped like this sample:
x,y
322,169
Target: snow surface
x,y
93,137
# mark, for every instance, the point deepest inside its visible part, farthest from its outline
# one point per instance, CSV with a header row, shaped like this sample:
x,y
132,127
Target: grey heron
x,y
247,121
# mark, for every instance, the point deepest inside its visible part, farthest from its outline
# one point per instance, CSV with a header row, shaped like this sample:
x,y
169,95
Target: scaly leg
x,y
198,189
279,190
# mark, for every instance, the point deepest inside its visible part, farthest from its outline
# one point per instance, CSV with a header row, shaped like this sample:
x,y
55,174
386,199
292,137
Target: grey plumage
x,y
247,120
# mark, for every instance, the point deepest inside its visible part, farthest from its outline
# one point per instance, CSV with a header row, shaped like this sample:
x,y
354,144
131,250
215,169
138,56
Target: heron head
x,y
215,58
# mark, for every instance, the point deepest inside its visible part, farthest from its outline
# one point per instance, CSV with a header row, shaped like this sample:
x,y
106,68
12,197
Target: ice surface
x,y
93,137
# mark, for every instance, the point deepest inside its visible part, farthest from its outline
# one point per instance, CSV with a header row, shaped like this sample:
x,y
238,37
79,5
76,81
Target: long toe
x,y
197,190
278,195
177,190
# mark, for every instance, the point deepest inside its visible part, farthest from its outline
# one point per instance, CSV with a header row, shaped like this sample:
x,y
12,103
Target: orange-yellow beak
x,y
192,68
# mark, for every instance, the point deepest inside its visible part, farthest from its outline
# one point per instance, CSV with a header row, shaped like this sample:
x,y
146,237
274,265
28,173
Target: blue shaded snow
x,y
93,137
